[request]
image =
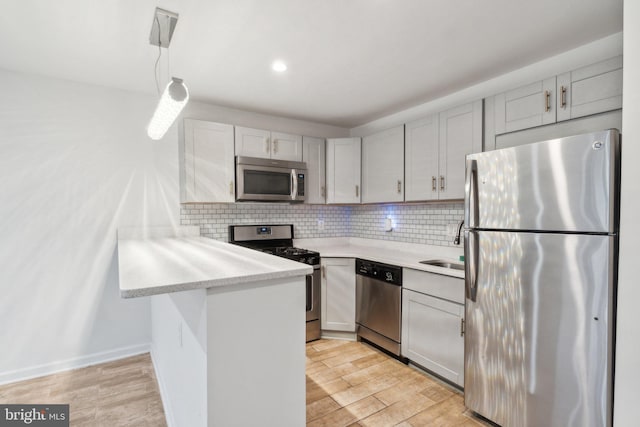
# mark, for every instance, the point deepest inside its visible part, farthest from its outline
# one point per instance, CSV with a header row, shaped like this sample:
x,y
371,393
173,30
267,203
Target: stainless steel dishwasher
x,y
379,304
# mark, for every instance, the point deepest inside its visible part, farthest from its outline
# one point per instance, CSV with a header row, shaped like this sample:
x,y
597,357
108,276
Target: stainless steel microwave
x,y
266,180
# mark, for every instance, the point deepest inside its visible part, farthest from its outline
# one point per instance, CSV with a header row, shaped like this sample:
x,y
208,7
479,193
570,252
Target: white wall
x,y
76,164
584,55
627,379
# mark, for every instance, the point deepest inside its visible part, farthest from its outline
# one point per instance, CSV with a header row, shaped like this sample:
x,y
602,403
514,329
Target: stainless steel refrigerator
x,y
541,243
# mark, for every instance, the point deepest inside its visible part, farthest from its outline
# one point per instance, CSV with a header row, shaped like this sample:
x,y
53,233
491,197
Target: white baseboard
x,y
339,335
168,413
73,363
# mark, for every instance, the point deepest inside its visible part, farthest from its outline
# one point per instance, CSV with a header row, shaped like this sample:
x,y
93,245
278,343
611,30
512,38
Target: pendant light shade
x,y
172,101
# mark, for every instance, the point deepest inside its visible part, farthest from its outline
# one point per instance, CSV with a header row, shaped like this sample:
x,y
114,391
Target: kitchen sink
x,y
444,264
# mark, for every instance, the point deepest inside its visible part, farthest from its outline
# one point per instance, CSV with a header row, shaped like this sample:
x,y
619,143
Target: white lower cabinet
x,y
338,294
433,332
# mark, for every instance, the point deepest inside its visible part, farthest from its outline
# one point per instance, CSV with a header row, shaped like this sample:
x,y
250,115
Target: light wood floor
x,y
114,394
348,384
352,384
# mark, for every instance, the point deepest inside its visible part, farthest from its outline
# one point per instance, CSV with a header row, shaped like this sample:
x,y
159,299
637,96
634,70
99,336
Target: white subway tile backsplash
x,y
414,223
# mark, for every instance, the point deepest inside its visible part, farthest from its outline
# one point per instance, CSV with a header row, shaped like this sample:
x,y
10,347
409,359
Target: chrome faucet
x,y
456,240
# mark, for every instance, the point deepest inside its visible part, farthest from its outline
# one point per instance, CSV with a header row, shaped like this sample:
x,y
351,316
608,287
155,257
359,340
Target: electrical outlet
x,y
452,229
320,224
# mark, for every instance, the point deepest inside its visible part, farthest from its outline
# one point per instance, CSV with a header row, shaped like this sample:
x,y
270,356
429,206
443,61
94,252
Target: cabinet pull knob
x,y
462,327
399,186
547,101
434,184
231,187
441,182
357,191
275,146
563,97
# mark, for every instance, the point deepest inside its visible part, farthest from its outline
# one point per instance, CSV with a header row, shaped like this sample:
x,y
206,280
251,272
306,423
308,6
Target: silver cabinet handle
x,y
231,187
434,185
399,186
547,101
275,146
563,97
324,272
462,327
266,145
357,191
323,191
441,182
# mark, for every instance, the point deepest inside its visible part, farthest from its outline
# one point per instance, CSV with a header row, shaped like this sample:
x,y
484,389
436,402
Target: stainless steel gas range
x,y
278,240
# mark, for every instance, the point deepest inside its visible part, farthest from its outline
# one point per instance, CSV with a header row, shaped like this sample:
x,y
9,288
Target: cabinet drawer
x,y
437,285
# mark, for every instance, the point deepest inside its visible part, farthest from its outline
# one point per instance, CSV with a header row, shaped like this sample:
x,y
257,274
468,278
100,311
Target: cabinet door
x,y
383,166
433,334
338,294
460,134
253,142
313,154
285,146
421,159
343,170
526,107
590,90
207,164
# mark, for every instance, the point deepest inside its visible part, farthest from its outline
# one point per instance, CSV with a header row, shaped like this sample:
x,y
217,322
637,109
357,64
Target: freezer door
x,y
566,184
538,341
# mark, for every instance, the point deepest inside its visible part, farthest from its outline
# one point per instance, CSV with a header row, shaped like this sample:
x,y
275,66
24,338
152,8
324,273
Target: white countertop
x,y
406,255
158,264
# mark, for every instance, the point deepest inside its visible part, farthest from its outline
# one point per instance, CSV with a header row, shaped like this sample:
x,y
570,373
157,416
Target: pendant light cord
x,y
155,73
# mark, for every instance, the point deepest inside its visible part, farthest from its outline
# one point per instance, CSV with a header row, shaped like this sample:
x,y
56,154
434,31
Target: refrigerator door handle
x,y
471,264
471,194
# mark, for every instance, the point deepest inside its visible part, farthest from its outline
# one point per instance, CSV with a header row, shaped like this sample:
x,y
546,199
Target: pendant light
x,y
175,95
172,101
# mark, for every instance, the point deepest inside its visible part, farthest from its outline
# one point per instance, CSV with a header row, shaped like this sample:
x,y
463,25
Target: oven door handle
x,y
310,301
294,184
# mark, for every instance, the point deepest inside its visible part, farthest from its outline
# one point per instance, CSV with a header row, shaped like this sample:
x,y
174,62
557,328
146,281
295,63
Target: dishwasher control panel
x,y
376,270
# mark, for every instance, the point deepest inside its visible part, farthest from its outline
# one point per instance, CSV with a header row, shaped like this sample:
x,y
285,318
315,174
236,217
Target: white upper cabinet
x,y
525,107
285,146
589,90
586,91
206,162
383,166
436,147
421,159
343,170
253,142
314,155
269,145
460,134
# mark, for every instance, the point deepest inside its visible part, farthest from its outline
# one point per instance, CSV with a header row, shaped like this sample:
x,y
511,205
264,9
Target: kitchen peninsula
x,y
228,327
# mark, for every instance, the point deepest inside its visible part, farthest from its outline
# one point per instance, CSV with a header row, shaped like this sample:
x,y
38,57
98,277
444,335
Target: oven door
x,y
269,183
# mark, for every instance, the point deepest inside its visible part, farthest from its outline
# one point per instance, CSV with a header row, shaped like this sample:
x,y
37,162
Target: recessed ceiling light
x,y
279,66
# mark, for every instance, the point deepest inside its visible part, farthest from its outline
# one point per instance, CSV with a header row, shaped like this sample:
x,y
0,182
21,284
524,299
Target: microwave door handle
x,y
294,184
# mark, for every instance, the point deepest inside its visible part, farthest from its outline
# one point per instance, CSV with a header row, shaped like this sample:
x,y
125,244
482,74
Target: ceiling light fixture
x,y
279,66
175,95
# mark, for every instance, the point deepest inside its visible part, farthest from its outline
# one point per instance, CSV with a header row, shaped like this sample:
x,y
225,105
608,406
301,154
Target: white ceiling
x,y
350,61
